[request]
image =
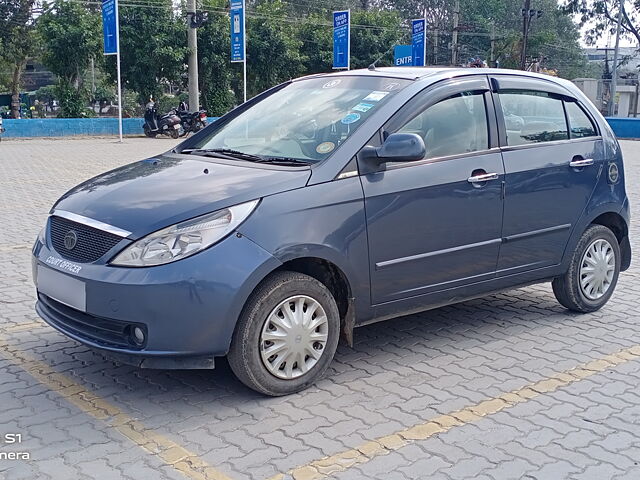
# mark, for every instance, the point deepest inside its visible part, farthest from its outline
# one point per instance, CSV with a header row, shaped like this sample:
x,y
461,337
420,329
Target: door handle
x,y
482,178
584,162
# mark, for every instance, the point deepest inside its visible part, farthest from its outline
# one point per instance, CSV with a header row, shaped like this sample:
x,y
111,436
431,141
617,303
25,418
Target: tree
x,y
273,49
214,68
602,16
373,36
18,43
153,46
71,37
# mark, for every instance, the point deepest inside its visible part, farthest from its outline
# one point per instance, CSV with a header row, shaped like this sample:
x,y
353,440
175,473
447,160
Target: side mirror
x,y
398,147
402,147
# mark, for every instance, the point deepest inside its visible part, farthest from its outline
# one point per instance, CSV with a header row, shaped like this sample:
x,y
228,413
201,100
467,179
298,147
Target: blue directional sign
x,y
403,55
110,26
418,41
237,31
341,39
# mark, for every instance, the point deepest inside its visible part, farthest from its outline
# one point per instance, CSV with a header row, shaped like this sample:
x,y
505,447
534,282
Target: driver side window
x,y
453,126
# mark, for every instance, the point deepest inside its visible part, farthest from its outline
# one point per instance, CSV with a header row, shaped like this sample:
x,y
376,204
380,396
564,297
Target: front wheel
x,y
593,271
286,336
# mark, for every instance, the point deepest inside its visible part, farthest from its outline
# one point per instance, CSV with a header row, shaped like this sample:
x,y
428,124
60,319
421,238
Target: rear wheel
x,y
174,133
286,336
593,271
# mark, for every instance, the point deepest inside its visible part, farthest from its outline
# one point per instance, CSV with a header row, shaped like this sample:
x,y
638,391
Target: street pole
x,y
192,40
526,19
244,49
435,47
118,71
614,73
492,57
454,41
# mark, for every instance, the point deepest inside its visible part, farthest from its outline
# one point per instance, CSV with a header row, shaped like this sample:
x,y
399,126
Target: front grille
x,y
102,331
91,243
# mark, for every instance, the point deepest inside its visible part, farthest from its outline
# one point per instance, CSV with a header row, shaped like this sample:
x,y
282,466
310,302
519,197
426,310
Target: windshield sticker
x,y
331,84
325,147
351,118
391,86
363,107
376,96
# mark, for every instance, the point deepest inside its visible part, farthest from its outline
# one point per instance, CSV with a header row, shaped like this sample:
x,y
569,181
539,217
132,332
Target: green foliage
x,y
601,17
104,93
17,43
46,94
71,36
273,49
153,48
215,69
73,101
374,37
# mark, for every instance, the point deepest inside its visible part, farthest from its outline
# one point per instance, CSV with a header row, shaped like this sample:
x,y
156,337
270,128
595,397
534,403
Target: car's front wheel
x,y
593,271
286,336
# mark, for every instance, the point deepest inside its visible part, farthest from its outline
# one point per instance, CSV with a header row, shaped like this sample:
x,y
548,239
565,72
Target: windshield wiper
x,y
228,152
284,161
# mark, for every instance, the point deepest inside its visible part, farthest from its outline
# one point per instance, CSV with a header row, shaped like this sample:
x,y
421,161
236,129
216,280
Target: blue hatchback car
x,y
330,202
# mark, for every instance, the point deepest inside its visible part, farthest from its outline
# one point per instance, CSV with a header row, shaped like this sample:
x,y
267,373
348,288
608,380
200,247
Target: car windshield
x,y
306,120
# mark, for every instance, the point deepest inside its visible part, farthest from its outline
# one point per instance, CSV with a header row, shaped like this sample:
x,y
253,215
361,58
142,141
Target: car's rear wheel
x,y
593,272
286,336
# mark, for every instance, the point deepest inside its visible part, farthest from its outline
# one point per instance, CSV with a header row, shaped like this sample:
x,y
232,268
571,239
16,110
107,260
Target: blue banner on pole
x,y
109,27
418,42
403,55
341,39
237,31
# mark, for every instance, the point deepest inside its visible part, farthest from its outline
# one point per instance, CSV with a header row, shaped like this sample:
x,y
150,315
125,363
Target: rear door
x,y
430,225
552,154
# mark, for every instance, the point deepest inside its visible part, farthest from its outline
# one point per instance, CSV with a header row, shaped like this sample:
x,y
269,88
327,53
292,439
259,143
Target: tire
x,y
266,303
568,289
148,132
174,133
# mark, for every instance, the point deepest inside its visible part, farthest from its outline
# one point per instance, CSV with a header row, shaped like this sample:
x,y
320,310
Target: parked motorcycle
x,y
154,124
191,122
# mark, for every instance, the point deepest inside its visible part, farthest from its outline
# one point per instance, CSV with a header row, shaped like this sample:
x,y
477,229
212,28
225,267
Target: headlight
x,y
184,239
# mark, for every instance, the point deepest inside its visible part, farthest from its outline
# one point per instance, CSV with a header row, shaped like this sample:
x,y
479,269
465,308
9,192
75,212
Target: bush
x,y
72,101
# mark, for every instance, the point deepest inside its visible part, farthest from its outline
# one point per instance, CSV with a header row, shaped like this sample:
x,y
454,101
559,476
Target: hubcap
x,y
294,337
597,269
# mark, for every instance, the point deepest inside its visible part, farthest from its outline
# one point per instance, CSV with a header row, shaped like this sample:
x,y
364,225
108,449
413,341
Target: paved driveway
x,y
509,386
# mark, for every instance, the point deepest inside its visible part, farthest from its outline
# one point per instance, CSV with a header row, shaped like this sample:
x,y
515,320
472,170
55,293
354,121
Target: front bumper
x,y
188,308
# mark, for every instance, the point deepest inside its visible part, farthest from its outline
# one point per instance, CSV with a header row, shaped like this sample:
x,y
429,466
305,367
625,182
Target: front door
x,y
435,224
552,157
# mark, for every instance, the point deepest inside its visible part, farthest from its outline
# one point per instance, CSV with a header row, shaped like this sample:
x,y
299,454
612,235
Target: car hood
x,y
145,196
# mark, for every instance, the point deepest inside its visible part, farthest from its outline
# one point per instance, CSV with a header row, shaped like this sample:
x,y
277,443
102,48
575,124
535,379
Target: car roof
x,y
436,73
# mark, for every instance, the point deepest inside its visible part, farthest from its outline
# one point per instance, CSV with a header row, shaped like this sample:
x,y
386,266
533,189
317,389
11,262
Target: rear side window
x,y
532,117
579,123
453,126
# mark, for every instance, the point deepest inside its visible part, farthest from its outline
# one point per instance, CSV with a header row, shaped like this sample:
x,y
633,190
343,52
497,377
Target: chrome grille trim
x,y
74,217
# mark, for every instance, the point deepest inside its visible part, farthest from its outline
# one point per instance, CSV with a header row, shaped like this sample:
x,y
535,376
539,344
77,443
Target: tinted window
x,y
532,117
455,125
579,123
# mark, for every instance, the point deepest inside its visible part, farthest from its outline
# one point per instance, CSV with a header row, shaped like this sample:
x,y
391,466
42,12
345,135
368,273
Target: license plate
x,y
177,126
62,288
